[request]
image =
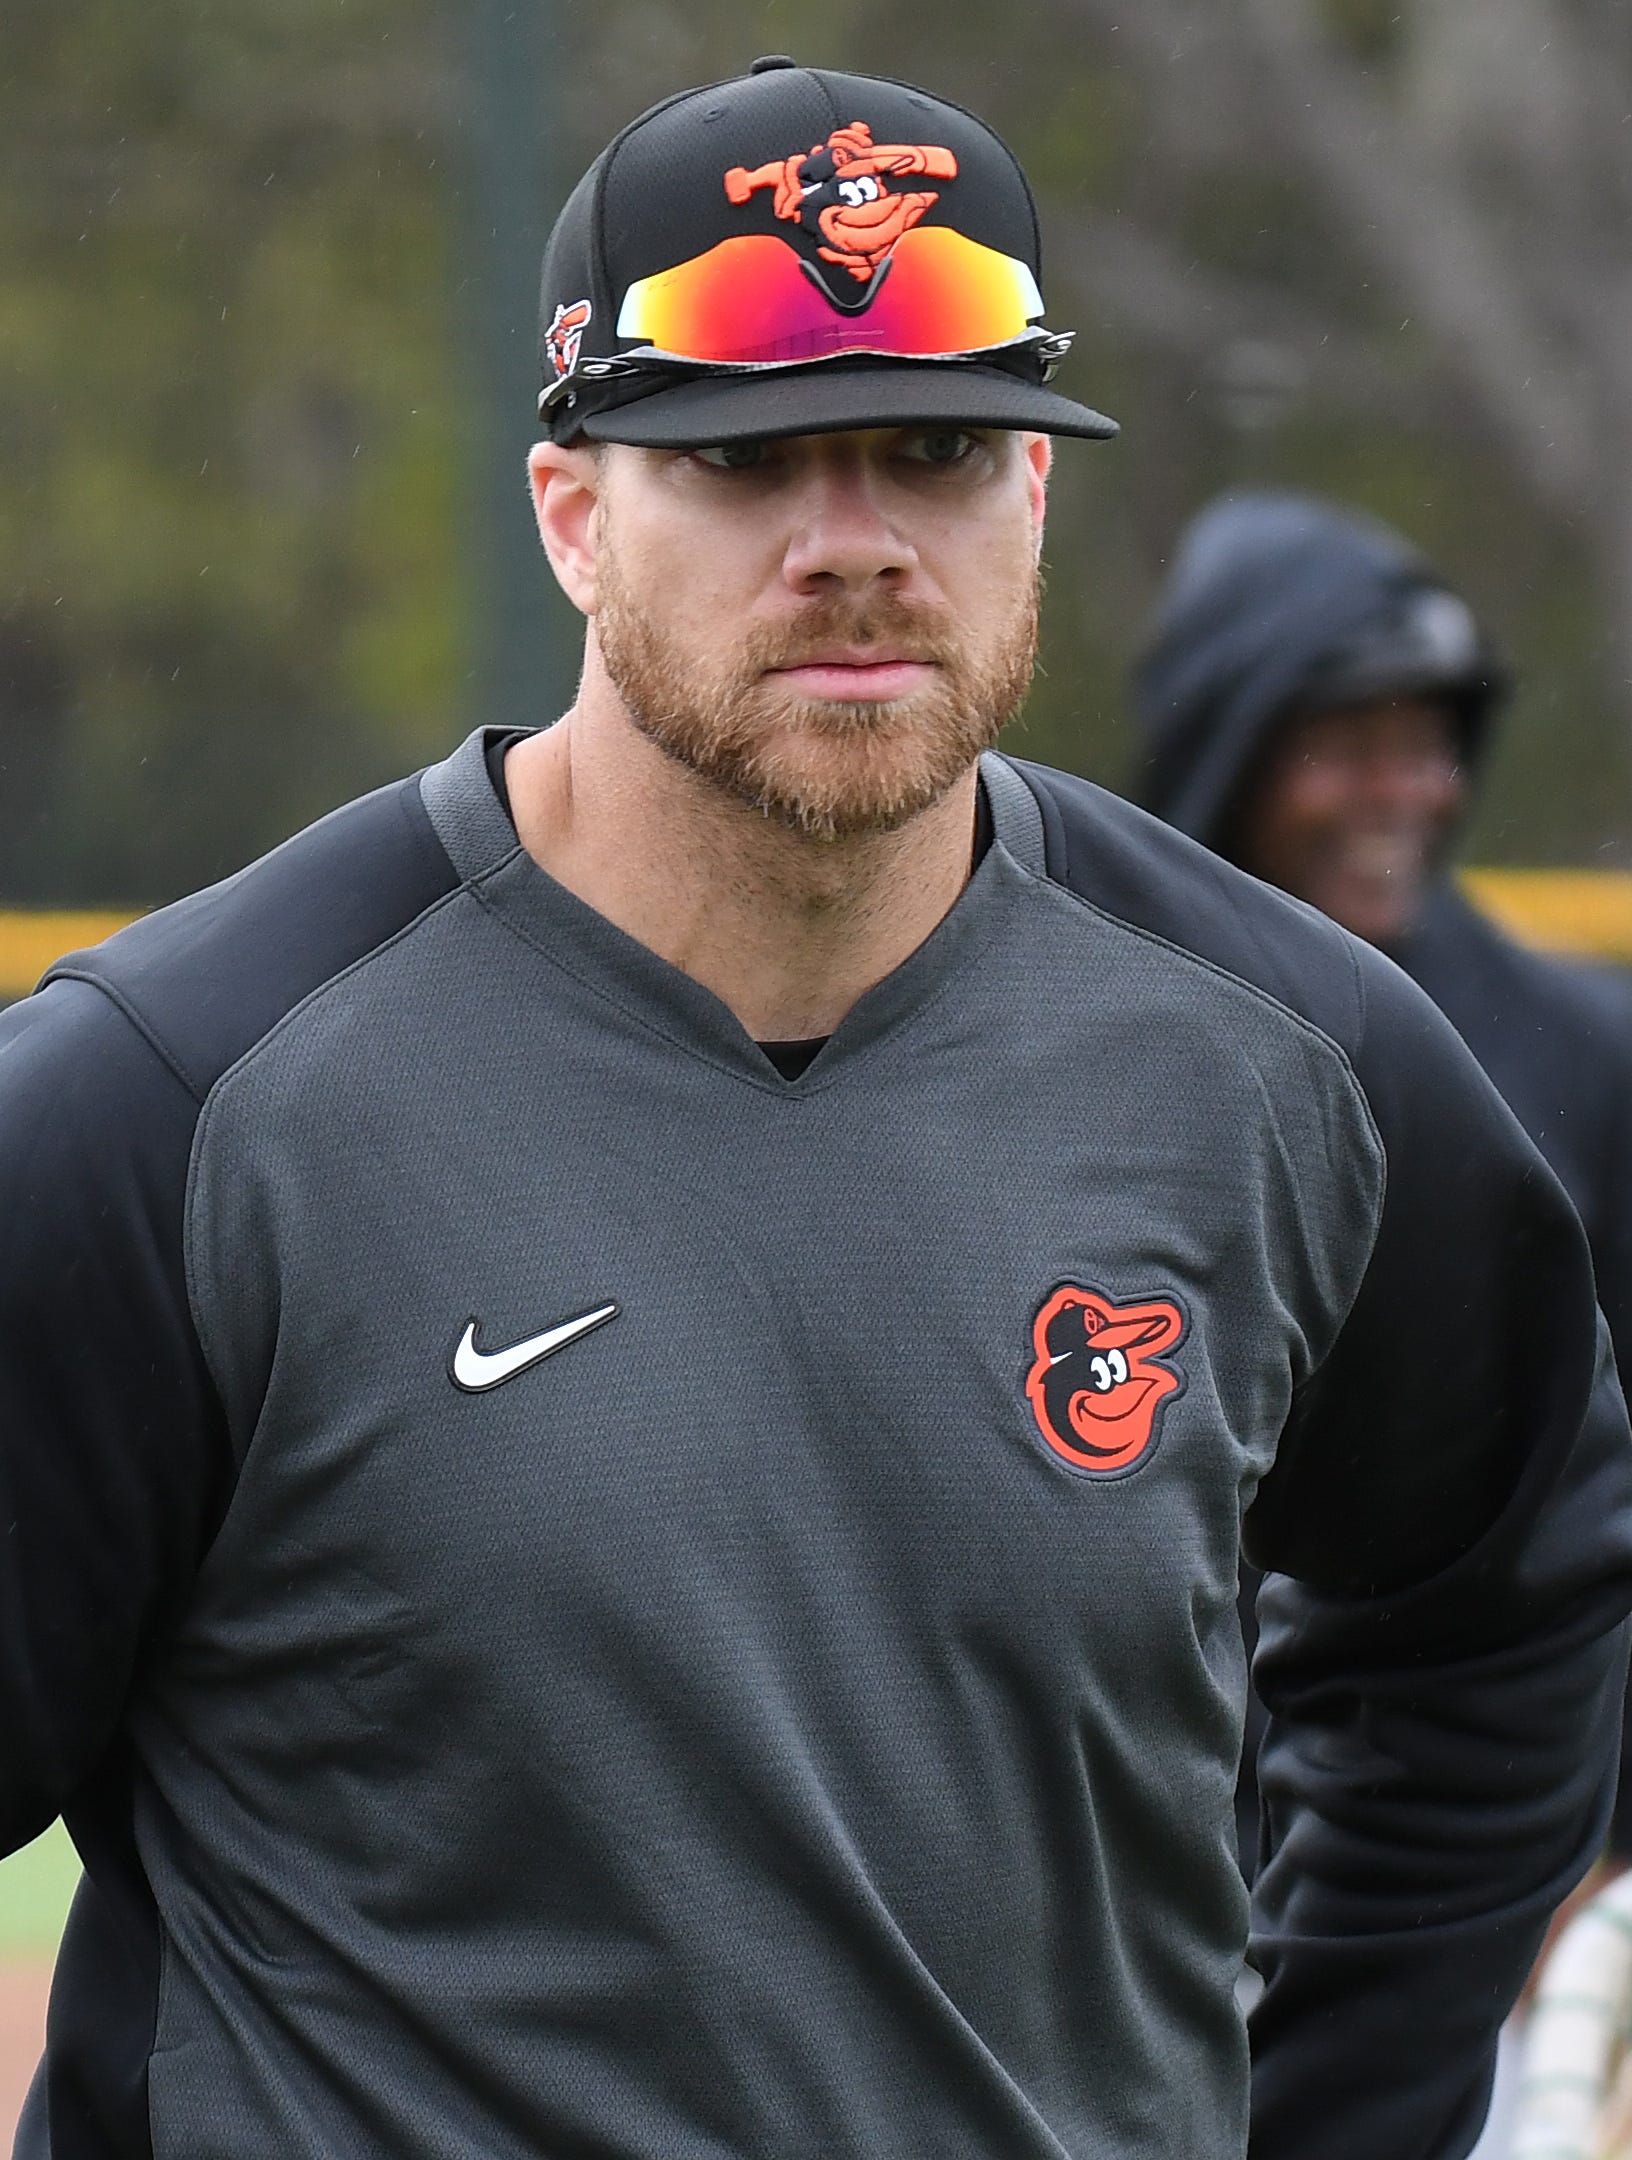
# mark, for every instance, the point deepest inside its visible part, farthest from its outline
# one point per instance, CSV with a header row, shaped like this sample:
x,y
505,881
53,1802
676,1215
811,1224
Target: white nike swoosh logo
x,y
477,1370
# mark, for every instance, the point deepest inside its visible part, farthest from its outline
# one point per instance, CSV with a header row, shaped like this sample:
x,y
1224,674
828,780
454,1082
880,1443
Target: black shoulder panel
x,y
205,979
1147,873
115,1461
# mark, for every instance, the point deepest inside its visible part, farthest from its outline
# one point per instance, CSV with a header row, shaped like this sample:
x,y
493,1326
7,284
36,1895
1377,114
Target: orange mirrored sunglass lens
x,y
749,300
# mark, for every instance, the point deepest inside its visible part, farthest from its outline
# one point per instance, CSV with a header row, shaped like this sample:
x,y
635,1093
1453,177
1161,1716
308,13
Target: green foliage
x,y
228,568
1258,221
35,1887
1370,29
1076,133
244,550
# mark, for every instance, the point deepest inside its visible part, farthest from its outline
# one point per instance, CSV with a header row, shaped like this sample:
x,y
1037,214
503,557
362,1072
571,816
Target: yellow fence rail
x,y
30,941
1586,912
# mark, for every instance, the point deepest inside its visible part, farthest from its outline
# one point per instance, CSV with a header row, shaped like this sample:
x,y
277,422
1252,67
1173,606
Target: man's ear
x,y
1039,455
566,488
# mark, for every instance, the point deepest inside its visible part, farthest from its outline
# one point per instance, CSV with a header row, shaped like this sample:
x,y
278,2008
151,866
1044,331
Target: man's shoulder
x,y
206,978
1148,874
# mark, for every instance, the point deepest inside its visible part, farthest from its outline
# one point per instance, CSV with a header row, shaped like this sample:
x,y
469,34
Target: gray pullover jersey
x,y
582,1598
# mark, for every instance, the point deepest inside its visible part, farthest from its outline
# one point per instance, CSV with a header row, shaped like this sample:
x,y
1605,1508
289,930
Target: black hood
x,y
1278,603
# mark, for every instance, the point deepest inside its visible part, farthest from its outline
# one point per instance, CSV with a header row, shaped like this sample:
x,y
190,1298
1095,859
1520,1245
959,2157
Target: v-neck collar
x,y
480,838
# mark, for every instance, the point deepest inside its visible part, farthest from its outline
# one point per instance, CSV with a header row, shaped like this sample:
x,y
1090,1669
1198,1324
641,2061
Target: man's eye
x,y
734,456
940,446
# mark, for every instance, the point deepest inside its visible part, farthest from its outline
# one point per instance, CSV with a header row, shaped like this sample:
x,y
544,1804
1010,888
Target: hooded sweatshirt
x,y
1280,604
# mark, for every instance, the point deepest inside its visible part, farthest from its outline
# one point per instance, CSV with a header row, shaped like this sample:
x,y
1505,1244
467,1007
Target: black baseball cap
x,y
793,252
1422,640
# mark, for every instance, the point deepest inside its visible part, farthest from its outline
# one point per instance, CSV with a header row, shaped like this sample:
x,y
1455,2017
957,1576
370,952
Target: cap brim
x,y
820,400
1369,680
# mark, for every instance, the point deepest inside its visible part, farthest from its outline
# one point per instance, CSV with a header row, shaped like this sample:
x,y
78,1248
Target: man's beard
x,y
824,768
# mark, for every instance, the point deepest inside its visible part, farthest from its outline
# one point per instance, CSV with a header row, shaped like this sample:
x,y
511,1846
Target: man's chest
x,y
956,1343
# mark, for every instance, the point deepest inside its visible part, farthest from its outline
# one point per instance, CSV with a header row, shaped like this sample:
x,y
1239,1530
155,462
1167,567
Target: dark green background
x,y
258,496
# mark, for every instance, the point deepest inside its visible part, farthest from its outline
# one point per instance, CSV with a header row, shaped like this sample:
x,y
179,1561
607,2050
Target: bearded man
x,y
632,1371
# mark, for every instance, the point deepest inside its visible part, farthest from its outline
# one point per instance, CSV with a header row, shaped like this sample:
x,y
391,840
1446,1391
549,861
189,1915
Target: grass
x,y
35,1886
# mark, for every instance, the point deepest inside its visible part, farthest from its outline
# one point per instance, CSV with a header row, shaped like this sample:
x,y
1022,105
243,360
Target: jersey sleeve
x,y
114,1457
1608,1220
1609,1217
1447,1539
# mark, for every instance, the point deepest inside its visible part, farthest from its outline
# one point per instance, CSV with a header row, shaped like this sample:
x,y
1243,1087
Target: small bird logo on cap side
x,y
566,334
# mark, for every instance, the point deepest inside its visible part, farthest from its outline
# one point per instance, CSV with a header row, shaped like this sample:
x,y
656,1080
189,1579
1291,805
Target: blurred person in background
x,y
1315,703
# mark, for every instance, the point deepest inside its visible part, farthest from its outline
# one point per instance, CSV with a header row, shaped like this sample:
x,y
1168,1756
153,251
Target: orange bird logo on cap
x,y
1095,1386
839,192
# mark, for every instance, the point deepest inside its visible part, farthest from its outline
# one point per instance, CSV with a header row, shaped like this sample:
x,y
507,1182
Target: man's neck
x,y
788,931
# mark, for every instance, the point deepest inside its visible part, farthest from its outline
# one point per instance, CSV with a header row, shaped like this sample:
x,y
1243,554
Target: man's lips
x,y
856,676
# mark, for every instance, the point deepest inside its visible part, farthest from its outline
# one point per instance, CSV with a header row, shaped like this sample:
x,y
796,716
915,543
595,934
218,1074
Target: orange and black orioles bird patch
x,y
1096,1386
839,192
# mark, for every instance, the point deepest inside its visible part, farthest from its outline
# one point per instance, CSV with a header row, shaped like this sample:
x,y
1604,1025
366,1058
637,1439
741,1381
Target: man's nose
x,y
844,535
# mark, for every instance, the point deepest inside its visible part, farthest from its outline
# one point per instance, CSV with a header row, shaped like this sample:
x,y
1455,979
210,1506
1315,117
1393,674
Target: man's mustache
x,y
906,630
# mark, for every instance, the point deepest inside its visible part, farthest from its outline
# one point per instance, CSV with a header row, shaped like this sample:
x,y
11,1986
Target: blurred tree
x,y
1367,248
228,553
1442,191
